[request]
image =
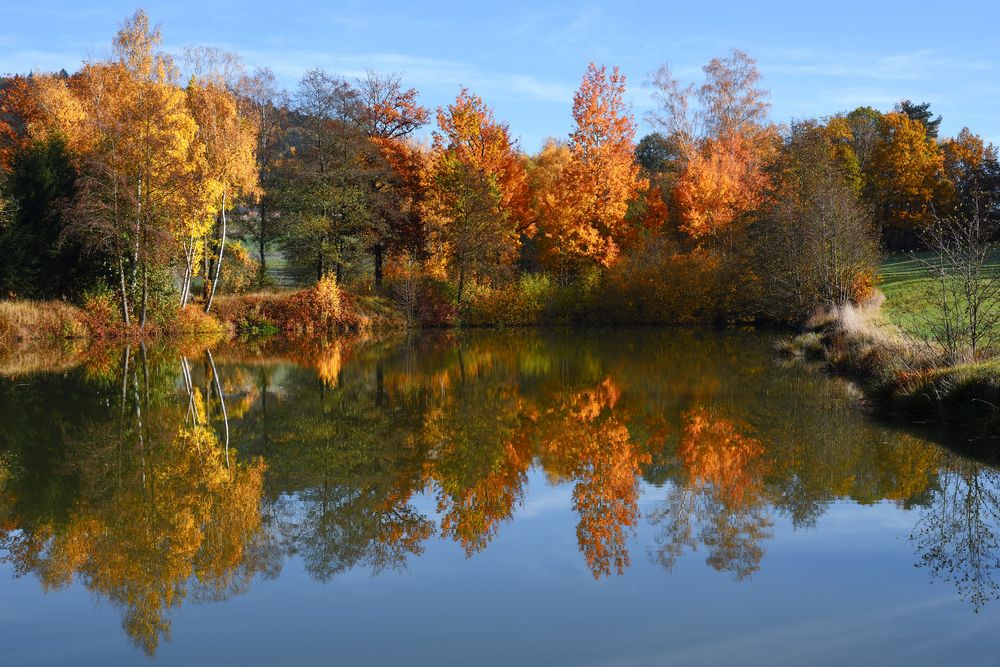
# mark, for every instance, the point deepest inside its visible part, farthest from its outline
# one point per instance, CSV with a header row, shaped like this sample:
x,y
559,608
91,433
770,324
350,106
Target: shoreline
x,y
899,377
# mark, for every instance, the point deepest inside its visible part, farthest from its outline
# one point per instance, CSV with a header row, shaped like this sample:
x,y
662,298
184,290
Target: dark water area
x,y
626,497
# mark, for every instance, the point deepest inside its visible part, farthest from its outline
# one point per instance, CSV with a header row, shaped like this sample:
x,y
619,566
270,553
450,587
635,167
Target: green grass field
x,y
910,297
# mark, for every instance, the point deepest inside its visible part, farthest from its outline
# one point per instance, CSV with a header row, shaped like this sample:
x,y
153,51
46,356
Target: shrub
x,y
528,301
808,345
435,302
193,320
652,289
102,311
316,310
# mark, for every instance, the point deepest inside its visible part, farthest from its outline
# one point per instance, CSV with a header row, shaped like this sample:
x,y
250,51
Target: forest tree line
x,y
149,183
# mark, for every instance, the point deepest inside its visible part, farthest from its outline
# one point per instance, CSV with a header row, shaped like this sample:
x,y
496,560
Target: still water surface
x,y
637,497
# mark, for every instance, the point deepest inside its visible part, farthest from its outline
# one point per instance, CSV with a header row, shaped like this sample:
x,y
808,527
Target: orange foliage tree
x,y
475,200
468,133
390,114
723,181
725,143
582,205
972,168
18,108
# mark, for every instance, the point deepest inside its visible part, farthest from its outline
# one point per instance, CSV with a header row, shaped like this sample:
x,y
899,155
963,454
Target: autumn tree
x,y
860,133
582,213
467,131
230,168
814,241
546,171
476,197
140,161
468,226
18,108
921,113
973,169
730,101
904,179
724,180
262,100
725,141
390,114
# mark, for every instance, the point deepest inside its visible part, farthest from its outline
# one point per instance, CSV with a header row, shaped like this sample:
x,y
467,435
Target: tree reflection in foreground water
x,y
155,478
958,537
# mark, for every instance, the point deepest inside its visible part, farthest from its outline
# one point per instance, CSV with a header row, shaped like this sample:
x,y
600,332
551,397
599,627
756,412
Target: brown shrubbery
x,y
315,311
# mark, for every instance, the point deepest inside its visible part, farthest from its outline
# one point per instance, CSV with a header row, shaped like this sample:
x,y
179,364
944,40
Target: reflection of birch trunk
x,y
222,401
125,361
189,385
138,422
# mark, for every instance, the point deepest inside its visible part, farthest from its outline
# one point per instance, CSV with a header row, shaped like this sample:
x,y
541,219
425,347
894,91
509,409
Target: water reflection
x,y
151,509
158,476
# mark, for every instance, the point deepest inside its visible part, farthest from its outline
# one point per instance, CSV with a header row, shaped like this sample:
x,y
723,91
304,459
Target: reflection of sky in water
x,y
841,589
845,591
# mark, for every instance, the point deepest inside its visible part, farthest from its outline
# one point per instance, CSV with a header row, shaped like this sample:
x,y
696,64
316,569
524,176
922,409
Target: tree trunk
x,y
262,240
218,262
145,296
461,288
206,269
124,291
188,272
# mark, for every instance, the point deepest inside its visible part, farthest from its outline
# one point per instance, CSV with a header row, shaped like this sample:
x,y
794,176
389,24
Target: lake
x,y
625,497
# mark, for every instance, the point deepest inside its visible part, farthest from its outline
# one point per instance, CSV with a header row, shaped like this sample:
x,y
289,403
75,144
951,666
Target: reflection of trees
x,y
355,436
590,444
478,460
342,475
958,536
159,514
723,505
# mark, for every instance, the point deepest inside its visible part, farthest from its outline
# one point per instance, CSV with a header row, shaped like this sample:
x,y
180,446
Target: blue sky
x,y
526,58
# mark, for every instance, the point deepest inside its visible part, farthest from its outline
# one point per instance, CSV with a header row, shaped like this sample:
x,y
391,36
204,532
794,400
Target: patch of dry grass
x,y
26,321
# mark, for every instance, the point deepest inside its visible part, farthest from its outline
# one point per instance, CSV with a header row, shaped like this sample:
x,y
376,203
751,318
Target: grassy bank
x,y
903,375
318,311
25,322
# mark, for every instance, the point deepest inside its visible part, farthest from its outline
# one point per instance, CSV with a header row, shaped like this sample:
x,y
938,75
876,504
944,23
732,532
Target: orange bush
x,y
317,310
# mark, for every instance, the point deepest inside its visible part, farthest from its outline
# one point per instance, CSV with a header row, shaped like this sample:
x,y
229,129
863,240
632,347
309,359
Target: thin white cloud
x,y
921,65
423,72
